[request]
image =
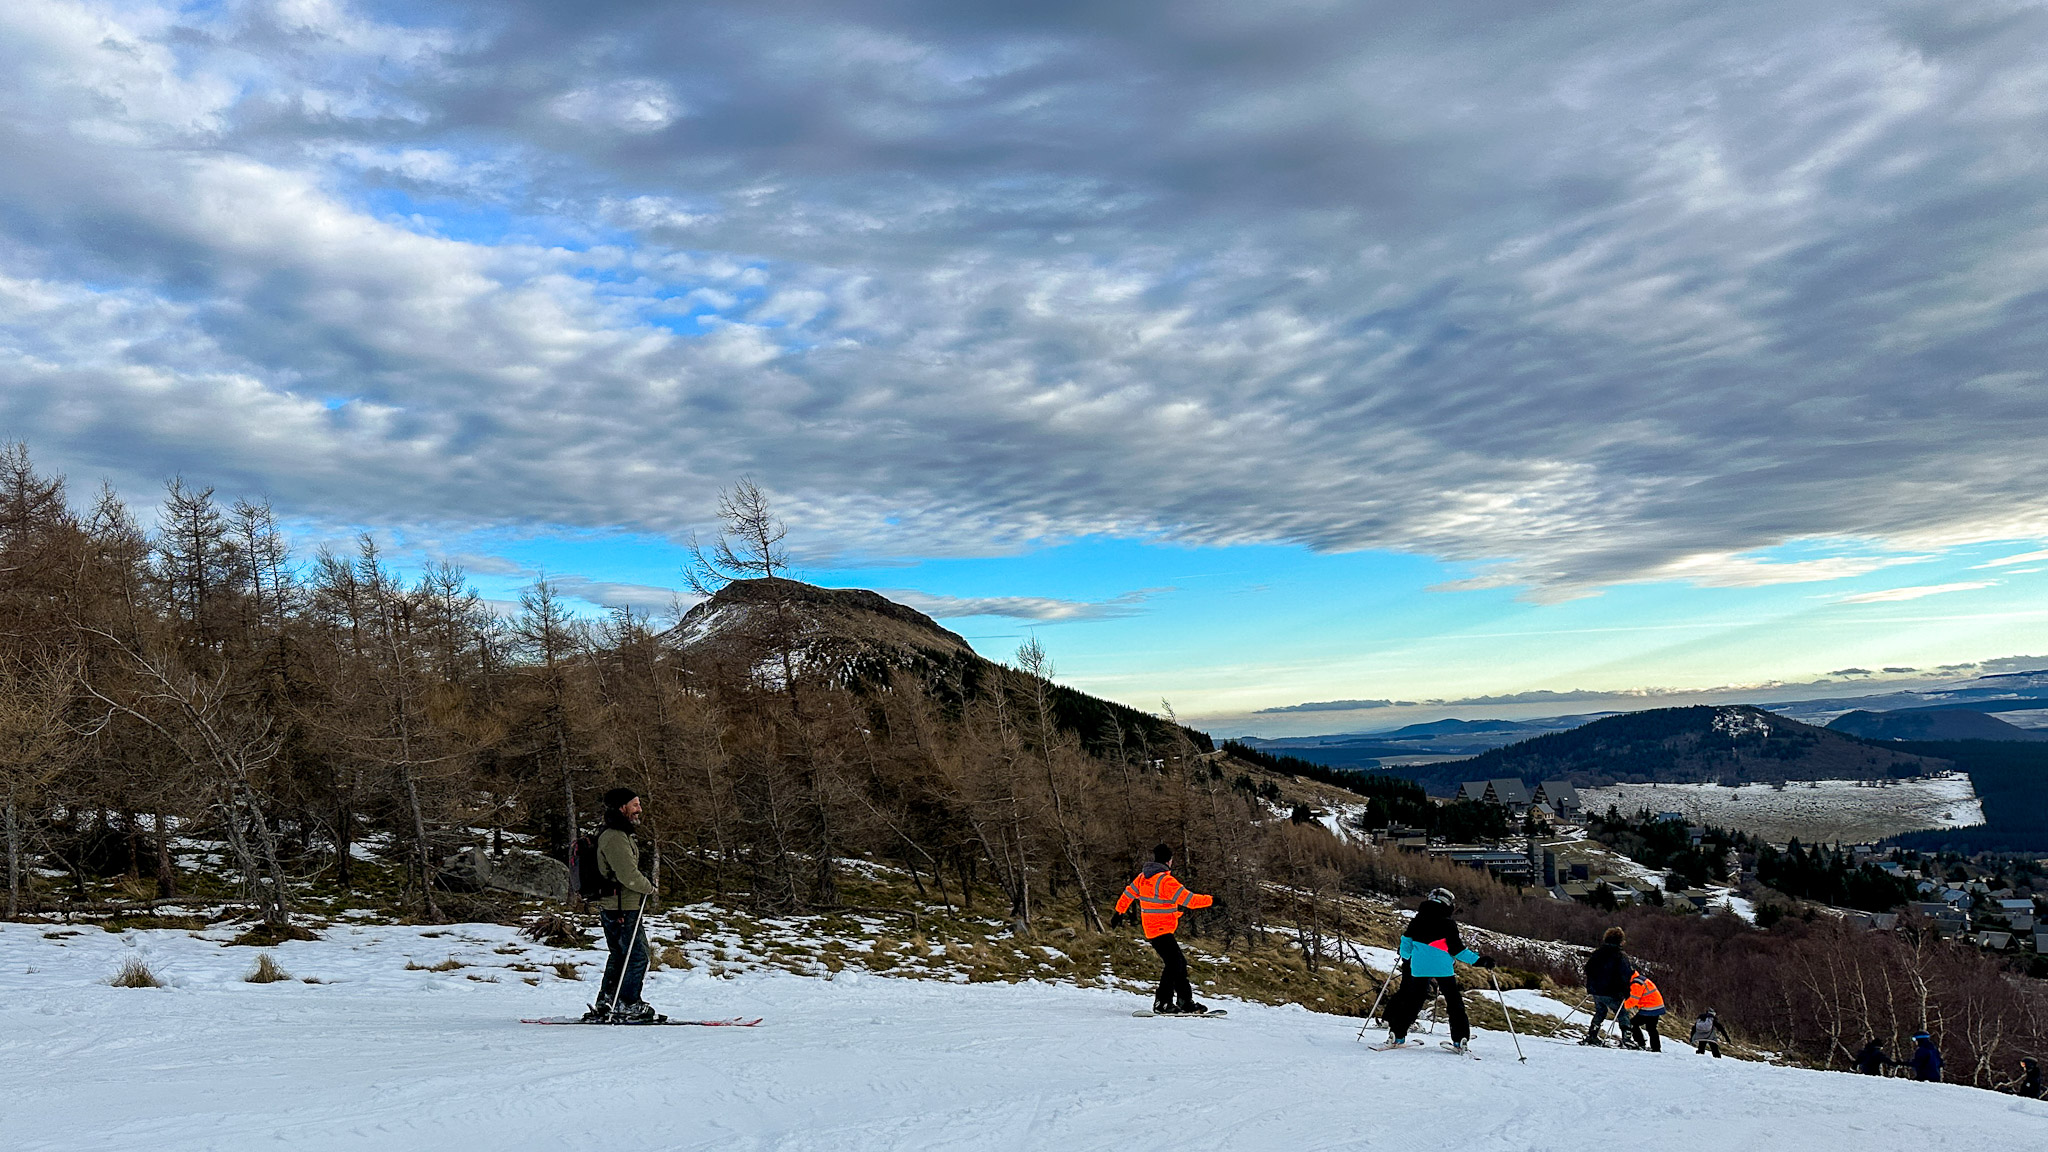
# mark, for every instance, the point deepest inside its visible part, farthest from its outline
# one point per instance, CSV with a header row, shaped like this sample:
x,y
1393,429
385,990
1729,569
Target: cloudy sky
x,y
1251,354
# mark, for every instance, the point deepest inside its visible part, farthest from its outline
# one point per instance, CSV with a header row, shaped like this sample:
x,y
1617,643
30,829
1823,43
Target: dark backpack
x,y
586,880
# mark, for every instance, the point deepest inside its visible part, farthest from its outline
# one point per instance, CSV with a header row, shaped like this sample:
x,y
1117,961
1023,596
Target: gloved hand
x,y
1117,921
1484,962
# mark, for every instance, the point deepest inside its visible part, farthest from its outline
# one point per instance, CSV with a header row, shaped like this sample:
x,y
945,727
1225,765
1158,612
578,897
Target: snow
x,y
1814,811
384,1058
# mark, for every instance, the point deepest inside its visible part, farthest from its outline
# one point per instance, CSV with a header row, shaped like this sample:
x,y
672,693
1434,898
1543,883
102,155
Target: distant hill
x,y
862,638
1931,724
1436,738
1704,744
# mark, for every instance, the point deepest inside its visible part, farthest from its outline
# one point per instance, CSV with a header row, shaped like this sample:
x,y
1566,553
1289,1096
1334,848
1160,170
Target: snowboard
x,y
735,1022
1211,1014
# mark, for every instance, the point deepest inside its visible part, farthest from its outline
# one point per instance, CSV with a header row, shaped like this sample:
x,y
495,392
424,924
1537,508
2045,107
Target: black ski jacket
x,y
1607,972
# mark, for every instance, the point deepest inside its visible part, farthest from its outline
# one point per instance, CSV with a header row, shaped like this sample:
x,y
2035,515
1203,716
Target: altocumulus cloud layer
x,y
1581,292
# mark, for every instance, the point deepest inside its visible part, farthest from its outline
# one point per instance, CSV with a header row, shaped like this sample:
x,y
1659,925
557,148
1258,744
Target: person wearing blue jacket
x,y
1926,1059
1430,952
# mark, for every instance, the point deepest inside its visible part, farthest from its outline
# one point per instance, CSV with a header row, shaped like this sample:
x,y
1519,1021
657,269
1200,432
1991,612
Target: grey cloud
x,y
1040,608
642,598
1568,296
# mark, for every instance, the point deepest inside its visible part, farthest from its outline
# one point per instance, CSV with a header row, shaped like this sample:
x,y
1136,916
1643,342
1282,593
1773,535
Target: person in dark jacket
x,y
1873,1059
1926,1059
625,967
1430,952
1607,975
2028,1082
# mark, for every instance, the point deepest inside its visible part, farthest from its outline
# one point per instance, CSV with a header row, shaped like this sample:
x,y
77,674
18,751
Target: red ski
x,y
735,1022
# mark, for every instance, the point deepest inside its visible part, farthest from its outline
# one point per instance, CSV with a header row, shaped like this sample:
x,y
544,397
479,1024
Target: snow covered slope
x,y
385,1058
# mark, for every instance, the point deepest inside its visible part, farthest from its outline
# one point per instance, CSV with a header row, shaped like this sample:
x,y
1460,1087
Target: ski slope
x,y
383,1058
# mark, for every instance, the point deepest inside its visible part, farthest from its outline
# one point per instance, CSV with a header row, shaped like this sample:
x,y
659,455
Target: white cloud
x,y
1041,608
2022,558
1891,595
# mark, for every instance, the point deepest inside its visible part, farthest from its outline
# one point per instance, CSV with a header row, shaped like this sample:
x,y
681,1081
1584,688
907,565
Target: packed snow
x,y
1814,811
382,1057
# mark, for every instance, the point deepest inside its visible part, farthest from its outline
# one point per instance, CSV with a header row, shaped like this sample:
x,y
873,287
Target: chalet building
x,y
1560,797
1510,794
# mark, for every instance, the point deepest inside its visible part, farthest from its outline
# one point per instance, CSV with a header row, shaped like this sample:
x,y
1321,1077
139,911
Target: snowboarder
x,y
620,912
1160,899
1873,1059
1708,1033
1926,1059
1640,1013
1430,951
1607,976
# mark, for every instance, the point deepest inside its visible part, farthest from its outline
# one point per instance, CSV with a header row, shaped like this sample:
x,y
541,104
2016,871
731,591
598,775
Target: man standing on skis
x,y
620,912
1430,952
1160,899
1607,976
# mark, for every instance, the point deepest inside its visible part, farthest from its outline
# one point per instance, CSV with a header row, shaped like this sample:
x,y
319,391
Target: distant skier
x,y
1873,1059
619,910
1640,1013
1708,1033
1430,952
2028,1083
1926,1059
1160,899
1607,975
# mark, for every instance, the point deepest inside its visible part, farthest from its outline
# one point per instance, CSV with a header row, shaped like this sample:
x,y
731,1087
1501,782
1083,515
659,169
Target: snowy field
x,y
1851,811
379,1057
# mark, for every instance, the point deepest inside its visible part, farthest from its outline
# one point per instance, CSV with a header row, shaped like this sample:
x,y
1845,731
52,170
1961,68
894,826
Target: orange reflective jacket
x,y
1642,995
1159,898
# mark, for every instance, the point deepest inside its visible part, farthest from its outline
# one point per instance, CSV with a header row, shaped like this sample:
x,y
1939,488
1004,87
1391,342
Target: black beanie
x,y
619,797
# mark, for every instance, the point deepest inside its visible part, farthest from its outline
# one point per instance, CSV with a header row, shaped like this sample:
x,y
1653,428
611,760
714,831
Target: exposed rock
x,y
527,873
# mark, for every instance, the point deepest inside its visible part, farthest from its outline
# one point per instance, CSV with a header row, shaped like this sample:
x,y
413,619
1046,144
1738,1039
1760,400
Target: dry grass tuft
x,y
556,931
136,974
266,971
448,965
567,971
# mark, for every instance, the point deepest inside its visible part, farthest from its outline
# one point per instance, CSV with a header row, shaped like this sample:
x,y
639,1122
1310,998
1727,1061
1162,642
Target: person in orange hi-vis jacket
x,y
1160,899
1640,1014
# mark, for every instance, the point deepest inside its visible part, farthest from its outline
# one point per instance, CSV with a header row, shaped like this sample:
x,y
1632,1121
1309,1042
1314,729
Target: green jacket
x,y
618,858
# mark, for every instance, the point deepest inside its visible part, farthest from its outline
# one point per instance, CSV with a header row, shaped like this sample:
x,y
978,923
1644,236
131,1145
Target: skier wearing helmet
x,y
1430,952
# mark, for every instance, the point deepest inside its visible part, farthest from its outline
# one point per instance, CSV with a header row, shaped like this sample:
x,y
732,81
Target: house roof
x,y
1507,791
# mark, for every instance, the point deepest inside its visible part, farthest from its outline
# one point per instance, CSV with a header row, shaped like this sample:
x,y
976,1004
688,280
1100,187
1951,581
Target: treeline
x,y
1830,876
193,683
1394,800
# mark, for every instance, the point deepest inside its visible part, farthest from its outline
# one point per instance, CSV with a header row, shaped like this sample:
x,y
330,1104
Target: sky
x,y
1247,355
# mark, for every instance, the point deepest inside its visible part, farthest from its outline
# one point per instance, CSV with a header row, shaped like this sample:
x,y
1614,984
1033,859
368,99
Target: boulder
x,y
527,873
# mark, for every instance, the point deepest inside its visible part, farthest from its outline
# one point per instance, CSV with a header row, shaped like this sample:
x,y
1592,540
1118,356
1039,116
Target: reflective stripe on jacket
x,y
1643,995
1159,898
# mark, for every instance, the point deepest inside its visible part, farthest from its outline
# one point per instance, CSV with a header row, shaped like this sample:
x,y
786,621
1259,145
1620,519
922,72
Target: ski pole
x,y
639,915
1375,1009
1506,1015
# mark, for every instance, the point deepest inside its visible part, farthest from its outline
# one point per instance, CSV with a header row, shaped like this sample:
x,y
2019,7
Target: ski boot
x,y
1457,1046
1394,1040
637,1013
1191,1008
1164,1008
1592,1041
596,1015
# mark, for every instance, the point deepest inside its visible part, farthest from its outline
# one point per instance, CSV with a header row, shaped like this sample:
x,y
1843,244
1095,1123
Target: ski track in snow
x,y
394,1060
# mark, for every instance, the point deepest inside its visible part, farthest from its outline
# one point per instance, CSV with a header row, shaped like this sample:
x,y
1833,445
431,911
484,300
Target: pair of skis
x,y
1443,1044
658,1021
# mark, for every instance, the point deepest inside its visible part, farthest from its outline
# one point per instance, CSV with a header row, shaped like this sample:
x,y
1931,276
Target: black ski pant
x,y
625,969
1701,1049
1640,1023
1407,1005
1174,988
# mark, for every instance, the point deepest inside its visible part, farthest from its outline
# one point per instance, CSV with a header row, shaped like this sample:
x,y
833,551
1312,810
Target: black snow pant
x,y
1701,1049
1407,1005
627,959
1641,1023
1174,988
